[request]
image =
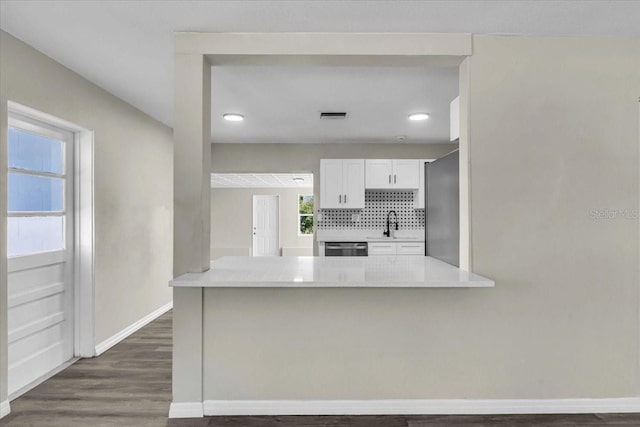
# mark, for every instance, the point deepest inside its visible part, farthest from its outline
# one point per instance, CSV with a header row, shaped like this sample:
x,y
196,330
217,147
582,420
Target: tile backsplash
x,y
374,215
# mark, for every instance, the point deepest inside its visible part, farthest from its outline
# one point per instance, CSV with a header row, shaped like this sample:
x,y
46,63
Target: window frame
x,y
35,127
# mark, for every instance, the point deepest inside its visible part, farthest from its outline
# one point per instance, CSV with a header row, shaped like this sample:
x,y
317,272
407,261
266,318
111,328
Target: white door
x,y
331,184
39,249
353,183
266,240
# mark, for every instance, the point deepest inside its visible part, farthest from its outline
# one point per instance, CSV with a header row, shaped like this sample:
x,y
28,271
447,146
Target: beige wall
x,y
554,135
275,158
232,218
133,188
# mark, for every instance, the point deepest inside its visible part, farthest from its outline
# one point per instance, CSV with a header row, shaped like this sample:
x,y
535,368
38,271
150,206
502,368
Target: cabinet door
x,y
379,174
382,248
331,184
419,196
353,184
406,174
410,248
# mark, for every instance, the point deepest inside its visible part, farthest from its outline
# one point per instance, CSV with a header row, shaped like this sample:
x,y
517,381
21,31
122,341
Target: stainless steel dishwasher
x,y
346,249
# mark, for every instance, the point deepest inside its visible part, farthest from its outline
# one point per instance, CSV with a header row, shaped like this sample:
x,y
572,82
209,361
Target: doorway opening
x,y
372,104
240,204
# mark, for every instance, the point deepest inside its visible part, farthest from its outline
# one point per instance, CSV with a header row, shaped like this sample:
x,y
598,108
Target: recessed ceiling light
x,y
418,116
233,117
297,178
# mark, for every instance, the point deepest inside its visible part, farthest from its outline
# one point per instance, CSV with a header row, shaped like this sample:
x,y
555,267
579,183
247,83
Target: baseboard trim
x,y
186,410
33,384
420,407
5,408
115,339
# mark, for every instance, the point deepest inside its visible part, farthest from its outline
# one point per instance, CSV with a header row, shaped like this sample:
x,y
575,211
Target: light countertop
x,y
332,272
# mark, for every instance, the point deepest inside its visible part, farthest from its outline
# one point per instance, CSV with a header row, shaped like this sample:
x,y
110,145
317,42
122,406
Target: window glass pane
x,y
35,193
27,235
306,224
33,152
305,204
305,213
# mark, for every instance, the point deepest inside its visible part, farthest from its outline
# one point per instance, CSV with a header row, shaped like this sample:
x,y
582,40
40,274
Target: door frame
x,y
253,219
83,241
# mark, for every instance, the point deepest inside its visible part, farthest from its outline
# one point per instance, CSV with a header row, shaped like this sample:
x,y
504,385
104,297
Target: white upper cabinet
x,y
379,174
330,183
353,183
342,184
454,123
397,174
406,174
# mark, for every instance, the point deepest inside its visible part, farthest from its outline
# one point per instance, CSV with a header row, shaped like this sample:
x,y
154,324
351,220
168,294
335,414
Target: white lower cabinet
x,y
411,248
396,248
382,248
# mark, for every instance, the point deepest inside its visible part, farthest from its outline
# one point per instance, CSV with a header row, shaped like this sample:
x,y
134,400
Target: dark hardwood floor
x,y
130,386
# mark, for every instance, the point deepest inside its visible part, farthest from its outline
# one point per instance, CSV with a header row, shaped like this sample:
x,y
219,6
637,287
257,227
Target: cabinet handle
x,y
394,178
345,198
389,179
340,198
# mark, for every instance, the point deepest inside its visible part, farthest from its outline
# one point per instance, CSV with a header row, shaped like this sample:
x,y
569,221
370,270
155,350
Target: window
x,y
36,186
305,214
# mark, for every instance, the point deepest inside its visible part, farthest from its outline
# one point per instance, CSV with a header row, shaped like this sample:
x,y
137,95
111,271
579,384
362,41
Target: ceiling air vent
x,y
333,115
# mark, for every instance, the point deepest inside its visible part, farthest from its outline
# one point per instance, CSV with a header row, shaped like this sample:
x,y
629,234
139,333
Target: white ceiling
x,y
126,47
261,180
283,104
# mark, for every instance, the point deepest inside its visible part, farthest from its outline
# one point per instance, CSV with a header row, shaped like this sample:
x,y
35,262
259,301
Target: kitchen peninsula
x,y
266,333
331,272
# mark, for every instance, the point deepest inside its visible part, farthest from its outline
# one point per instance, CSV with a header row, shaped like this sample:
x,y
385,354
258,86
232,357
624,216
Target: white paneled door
x,y
266,229
40,250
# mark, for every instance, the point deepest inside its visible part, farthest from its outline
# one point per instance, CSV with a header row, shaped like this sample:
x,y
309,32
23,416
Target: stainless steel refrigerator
x,y
442,209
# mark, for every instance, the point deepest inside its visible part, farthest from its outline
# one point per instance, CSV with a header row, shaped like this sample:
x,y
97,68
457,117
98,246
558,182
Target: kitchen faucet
x,y
389,233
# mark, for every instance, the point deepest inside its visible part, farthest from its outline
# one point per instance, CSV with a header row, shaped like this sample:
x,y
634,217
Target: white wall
x,y
232,219
133,160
